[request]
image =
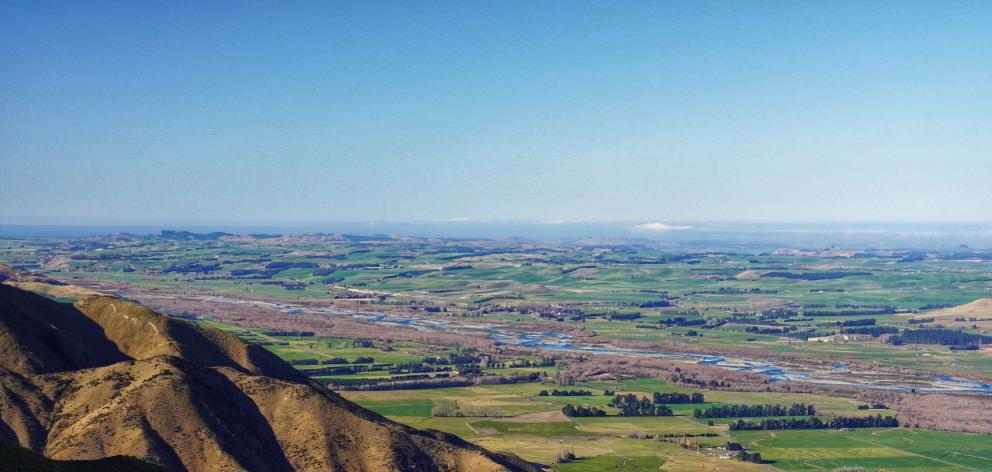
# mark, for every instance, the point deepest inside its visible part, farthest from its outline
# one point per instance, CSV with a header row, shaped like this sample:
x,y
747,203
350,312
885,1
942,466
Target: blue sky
x,y
245,112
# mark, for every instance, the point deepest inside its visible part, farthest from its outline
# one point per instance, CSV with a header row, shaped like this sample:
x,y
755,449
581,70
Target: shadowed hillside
x,y
106,377
17,459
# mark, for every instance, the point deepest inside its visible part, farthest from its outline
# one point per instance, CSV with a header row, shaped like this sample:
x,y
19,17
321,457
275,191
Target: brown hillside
x,y
36,283
980,308
38,335
749,275
106,377
976,313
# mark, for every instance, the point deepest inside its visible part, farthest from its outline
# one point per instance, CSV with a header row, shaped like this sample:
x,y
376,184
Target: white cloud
x,y
558,222
658,228
457,219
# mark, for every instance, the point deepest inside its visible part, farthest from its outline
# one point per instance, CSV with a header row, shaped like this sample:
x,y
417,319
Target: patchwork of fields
x,y
816,309
538,439
517,419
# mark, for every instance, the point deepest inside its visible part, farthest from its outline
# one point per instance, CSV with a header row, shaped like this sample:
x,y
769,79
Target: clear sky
x,y
239,112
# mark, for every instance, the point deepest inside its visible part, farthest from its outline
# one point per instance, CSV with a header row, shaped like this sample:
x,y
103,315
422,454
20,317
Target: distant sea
x,y
709,234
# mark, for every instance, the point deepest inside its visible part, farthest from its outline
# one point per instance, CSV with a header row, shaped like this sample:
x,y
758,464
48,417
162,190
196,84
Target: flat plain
x,y
786,308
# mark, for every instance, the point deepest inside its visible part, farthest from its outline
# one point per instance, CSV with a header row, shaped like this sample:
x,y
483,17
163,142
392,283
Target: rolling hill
x,y
977,313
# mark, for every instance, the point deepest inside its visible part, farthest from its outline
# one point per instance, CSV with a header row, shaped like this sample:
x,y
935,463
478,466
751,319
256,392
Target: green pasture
x,y
893,449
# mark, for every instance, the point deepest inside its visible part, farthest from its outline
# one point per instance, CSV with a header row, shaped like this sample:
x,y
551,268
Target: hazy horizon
x,y
142,113
710,234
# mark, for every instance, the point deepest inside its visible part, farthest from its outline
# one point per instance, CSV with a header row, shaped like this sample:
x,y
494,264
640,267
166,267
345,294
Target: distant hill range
x,y
105,377
186,235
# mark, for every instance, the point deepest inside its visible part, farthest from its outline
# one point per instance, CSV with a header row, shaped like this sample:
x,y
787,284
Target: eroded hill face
x,y
106,377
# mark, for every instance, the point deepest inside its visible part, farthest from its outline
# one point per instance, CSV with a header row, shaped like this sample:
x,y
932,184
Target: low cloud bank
x,y
658,228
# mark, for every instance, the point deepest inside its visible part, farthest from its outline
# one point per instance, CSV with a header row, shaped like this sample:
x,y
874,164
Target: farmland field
x,y
485,339
891,449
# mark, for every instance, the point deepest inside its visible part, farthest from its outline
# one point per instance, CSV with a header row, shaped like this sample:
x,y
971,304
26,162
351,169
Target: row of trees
x,y
437,382
681,378
677,398
852,312
814,422
824,275
443,411
770,330
295,334
564,393
748,411
943,337
631,405
682,321
582,411
860,322
333,360
875,331
454,358
415,368
656,304
657,398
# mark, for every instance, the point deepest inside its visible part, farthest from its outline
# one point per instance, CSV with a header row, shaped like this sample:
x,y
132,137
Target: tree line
x,y
582,411
677,398
682,321
631,405
436,382
564,393
825,275
616,316
874,331
853,312
747,411
859,322
943,337
814,422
